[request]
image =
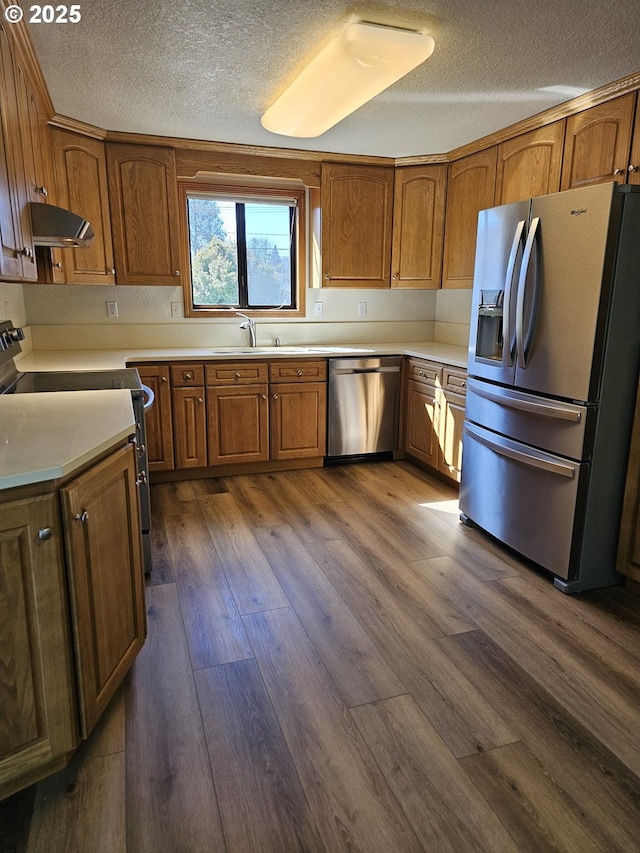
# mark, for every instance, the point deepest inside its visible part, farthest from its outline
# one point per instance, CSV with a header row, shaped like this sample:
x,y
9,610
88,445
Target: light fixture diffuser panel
x,y
362,61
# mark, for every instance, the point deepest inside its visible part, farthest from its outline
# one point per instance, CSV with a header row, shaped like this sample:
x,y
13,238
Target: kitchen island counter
x,y
47,436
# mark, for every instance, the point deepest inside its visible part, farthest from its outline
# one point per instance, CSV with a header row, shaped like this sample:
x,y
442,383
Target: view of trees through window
x,y
240,252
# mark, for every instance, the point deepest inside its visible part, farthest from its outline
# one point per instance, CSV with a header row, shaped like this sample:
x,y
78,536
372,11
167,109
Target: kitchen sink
x,y
292,350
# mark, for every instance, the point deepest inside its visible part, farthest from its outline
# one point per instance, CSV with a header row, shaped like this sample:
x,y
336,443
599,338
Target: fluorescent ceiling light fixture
x,y
362,61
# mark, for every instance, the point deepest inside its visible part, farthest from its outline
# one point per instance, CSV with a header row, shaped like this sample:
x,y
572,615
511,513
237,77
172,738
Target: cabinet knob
x,y
83,516
298,372
187,374
176,272
111,271
633,168
27,252
42,191
58,265
200,400
45,533
275,396
263,396
327,276
619,171
394,276
163,379
237,375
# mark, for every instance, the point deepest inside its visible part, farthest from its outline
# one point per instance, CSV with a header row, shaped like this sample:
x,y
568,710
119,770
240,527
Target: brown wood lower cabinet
x,y
434,415
189,427
36,668
238,424
158,419
71,609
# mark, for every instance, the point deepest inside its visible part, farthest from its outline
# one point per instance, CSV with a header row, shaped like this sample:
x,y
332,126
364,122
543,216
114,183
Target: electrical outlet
x,y
318,308
362,309
175,309
112,309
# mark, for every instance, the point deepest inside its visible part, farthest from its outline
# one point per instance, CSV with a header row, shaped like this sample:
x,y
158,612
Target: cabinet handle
x,y
27,252
45,533
83,516
237,375
633,168
394,276
275,396
298,372
619,171
58,265
187,374
263,396
163,379
327,276
42,191
111,271
200,400
176,272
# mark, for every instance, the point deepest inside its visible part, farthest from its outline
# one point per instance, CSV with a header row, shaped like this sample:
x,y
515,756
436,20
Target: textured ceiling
x,y
208,69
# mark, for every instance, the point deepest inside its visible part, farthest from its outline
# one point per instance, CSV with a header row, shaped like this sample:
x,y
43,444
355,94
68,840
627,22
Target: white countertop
x,y
110,359
46,436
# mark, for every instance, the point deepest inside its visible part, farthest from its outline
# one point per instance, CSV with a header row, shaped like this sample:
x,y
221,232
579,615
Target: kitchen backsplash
x,y
59,314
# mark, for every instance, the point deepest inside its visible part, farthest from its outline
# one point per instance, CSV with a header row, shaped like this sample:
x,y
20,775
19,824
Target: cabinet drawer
x,y
425,371
187,374
298,371
454,379
236,373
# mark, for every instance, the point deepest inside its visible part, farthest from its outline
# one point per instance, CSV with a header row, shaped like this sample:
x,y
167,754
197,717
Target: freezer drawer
x,y
562,428
524,497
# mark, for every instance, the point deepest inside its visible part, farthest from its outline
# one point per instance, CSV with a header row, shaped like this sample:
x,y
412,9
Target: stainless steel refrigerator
x,y
554,354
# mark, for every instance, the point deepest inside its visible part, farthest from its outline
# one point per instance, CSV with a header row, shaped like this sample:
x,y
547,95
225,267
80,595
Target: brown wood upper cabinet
x,y
470,188
81,182
357,209
418,226
598,144
21,160
143,198
529,165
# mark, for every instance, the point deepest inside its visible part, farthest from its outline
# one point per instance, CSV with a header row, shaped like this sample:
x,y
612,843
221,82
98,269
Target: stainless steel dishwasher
x,y
364,402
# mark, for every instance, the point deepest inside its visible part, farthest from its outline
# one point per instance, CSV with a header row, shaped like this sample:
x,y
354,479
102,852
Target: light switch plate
x,y
362,309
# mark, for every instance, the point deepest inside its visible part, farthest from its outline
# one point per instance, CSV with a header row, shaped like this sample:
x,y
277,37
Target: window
x,y
243,248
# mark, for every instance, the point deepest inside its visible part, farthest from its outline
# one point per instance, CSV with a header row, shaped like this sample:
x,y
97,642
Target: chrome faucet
x,y
248,324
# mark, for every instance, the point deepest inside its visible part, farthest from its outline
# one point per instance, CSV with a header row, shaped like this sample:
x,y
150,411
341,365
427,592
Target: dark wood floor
x,y
335,664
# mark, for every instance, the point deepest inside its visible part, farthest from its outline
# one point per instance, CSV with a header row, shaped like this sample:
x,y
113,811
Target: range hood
x,y
55,226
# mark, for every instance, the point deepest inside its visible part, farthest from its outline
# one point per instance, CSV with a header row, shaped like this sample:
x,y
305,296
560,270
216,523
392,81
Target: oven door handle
x,y
149,397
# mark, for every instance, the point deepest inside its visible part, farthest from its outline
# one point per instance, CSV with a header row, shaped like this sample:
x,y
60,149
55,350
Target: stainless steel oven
x,y
14,382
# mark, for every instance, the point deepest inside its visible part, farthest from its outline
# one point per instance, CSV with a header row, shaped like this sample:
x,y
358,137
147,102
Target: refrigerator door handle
x,y
549,410
533,461
523,340
508,345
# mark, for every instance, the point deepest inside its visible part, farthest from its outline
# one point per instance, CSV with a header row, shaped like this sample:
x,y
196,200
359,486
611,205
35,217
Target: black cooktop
x,y
91,380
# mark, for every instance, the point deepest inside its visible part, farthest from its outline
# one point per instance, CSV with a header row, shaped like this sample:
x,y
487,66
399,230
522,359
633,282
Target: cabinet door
x,y
529,165
189,427
450,430
10,164
158,419
237,424
36,682
32,188
470,189
298,420
357,209
143,197
633,169
81,177
597,144
418,226
420,422
104,553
